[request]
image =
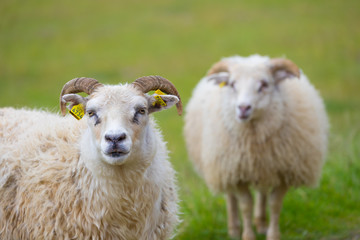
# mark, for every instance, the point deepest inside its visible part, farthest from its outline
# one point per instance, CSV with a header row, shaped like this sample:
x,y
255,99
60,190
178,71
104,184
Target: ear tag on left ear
x,y
222,84
159,92
78,111
158,99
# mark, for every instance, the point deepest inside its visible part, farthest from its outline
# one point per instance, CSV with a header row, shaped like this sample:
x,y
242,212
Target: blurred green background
x,y
45,43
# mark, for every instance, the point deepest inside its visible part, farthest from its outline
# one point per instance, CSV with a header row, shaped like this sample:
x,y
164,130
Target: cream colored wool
x,y
52,186
249,124
286,144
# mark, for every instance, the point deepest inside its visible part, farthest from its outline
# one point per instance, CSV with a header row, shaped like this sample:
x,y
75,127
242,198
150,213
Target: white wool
x,y
54,185
252,60
285,144
256,121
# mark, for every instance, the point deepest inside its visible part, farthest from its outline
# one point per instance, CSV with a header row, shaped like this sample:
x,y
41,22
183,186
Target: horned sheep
x,y
104,178
256,121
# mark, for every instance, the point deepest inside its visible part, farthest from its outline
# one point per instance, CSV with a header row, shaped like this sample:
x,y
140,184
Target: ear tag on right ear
x,y
78,111
158,99
222,84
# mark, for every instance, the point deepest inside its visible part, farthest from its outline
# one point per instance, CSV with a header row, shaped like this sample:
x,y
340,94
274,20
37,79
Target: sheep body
x,y
50,190
288,145
284,145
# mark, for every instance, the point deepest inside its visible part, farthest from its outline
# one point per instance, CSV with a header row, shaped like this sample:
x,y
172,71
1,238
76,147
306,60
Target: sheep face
x,y
117,118
251,88
250,93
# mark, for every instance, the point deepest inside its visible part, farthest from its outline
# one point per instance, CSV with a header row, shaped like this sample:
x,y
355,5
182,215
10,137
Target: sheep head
x,y
251,82
118,115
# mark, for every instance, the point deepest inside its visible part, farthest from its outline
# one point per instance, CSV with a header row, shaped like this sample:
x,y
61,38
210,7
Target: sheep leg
x,y
260,212
233,216
275,202
246,206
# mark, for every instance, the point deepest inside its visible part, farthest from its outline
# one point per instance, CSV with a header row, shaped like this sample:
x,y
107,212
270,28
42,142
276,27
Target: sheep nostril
x,y
115,137
245,108
122,137
108,138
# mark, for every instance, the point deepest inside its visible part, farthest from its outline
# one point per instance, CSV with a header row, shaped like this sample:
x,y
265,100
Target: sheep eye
x,y
263,85
142,111
91,113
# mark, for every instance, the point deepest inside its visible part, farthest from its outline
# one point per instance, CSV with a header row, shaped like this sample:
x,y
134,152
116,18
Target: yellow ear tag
x,y
158,99
77,111
159,92
222,84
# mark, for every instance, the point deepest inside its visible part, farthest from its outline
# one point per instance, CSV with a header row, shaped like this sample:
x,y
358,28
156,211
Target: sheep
x,y
105,177
256,122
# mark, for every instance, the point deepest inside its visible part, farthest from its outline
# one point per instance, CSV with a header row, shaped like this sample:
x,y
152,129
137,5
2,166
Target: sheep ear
x,y
221,78
161,102
219,73
282,69
74,99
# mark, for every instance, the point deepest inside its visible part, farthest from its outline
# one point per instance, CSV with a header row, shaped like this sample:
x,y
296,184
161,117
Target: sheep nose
x,y
244,108
114,138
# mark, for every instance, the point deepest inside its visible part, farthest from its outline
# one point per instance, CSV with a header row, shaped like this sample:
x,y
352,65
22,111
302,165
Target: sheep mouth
x,y
244,117
117,153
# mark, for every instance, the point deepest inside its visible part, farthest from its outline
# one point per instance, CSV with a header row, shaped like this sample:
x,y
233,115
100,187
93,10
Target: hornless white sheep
x,y
256,121
104,178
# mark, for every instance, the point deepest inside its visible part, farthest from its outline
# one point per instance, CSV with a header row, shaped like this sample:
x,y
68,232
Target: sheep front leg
x,y
246,206
233,216
275,201
260,212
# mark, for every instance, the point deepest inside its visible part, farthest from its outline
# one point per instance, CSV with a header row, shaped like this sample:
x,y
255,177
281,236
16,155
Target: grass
x,y
43,44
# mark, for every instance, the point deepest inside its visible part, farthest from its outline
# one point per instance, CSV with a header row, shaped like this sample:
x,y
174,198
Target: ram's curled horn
x,y
150,83
218,67
284,64
77,85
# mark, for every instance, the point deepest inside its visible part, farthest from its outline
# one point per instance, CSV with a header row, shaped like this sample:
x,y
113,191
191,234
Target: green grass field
x,y
43,44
